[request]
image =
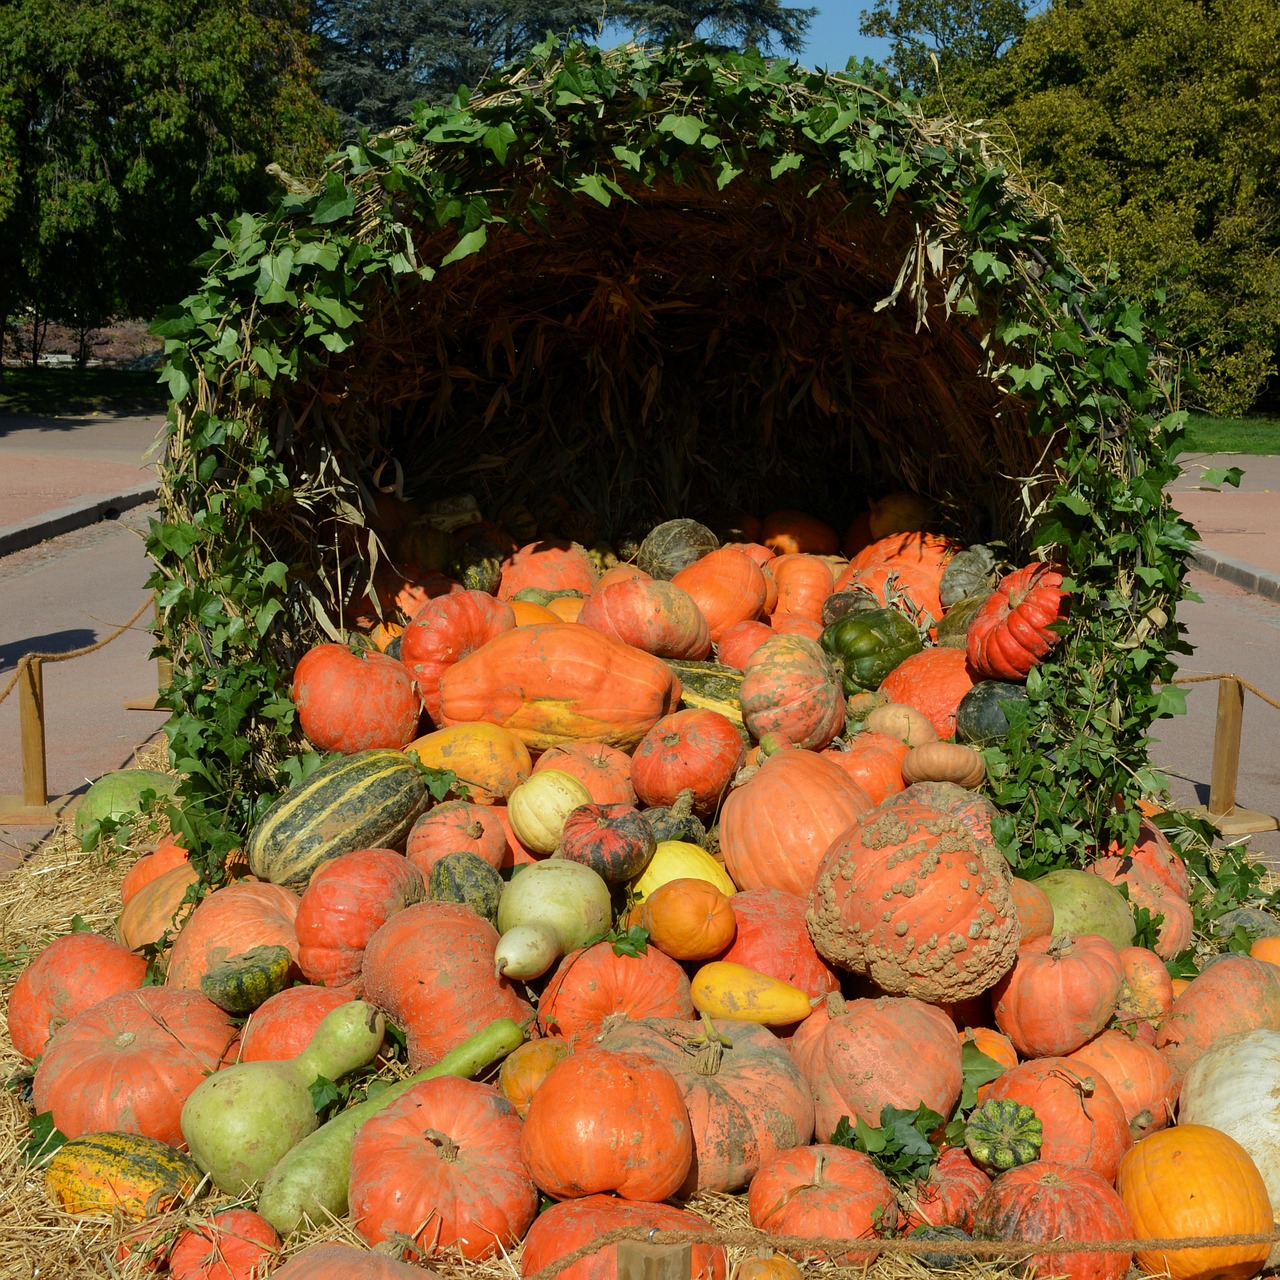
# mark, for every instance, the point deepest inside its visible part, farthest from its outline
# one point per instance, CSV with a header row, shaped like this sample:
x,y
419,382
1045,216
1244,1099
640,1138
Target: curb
x,y
30,533
1258,582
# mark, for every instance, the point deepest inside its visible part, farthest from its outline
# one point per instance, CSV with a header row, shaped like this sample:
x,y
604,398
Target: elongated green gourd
x,y
238,1122
311,1180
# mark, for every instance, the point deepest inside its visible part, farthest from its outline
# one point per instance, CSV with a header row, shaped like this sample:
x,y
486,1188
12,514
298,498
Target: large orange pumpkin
x,y
873,761
658,617
350,702
727,586
804,583
563,683
695,749
933,681
1141,1078
552,564
772,938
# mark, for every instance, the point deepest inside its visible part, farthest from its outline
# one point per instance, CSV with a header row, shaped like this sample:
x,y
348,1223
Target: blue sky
x,y
833,35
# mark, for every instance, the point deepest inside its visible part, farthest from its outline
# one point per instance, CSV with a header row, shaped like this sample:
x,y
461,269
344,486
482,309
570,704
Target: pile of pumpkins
x,y
688,845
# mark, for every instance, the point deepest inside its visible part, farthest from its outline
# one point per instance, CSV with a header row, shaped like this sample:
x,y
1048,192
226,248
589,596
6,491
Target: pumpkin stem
x,y
448,1148
475,831
682,805
710,1055
1063,944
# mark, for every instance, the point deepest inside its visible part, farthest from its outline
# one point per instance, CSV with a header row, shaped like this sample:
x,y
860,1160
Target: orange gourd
x,y
689,919
727,586
933,681
603,770
804,583
793,532
523,1071
161,859
489,760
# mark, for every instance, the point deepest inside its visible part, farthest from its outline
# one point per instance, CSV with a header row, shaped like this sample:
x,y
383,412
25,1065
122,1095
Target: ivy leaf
x,y
335,203
631,943
1215,477
978,1069
902,1147
470,243
1171,702
43,1139
687,128
324,1093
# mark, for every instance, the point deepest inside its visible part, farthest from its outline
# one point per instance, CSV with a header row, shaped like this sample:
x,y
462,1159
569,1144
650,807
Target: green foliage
x,y
42,1140
53,391
901,1148
633,941
286,293
1207,434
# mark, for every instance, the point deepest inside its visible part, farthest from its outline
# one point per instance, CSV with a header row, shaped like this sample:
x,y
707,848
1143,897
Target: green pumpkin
x,y
1085,903
241,983
968,573
469,879
519,522
1002,1134
842,603
953,630
1253,920
867,646
478,566
673,546
980,717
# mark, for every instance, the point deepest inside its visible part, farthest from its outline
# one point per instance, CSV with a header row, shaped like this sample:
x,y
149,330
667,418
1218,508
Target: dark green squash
x,y
469,879
711,686
676,821
1002,1134
865,647
953,630
673,546
239,984
941,1261
968,573
980,717
478,565
842,603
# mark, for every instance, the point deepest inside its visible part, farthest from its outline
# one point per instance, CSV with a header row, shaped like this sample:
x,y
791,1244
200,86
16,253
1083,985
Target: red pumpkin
x,y
1050,1200
346,902
756,551
776,827
560,682
893,1051
69,976
1035,911
946,1198
804,583
604,771
727,586
658,617
282,1025
1084,1122
933,681
824,1192
564,1228
1141,1078
789,689
591,985
746,1099
741,640
229,922
695,749
350,702
456,827
904,572
1061,992
607,1121
150,866
1014,629
128,1064
443,632
552,564
1147,889
873,761
614,840
441,1166
429,968
772,938
237,1245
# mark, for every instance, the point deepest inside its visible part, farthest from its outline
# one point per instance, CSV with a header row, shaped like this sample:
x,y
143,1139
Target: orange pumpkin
x,y
804,583
789,688
903,571
523,1071
552,564
933,681
489,760
562,683
689,919
566,608
604,771
1035,911
791,532
157,908
873,761
1147,889
727,586
161,859
741,640
1147,990
1142,1080
528,614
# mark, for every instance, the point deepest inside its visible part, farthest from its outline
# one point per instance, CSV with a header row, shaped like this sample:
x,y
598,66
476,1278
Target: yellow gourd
x,y
727,990
679,860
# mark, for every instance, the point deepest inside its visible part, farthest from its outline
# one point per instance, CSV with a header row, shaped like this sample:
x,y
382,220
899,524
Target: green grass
x,y
1231,435
73,391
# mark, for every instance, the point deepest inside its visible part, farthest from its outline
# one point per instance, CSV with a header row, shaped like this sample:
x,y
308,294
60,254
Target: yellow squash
x,y
727,990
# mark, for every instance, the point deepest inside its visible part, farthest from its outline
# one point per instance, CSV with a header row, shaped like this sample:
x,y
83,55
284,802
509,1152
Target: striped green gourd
x,y
125,1173
367,800
710,686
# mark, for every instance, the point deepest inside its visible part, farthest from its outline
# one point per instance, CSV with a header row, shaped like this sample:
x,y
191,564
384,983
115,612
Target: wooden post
x,y
35,777
639,1260
1226,748
164,678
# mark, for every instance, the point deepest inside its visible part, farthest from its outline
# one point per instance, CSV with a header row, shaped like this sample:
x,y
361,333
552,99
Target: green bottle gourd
x,y
240,1121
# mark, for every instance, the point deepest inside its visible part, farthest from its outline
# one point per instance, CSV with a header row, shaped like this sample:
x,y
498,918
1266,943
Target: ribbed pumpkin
x,y
523,1071
727,586
456,827
229,922
873,761
1191,1180
614,840
1137,1073
346,902
893,1051
430,970
551,563
659,617
351,702
128,1063
804,582
446,630
603,770
1152,849
745,1097
562,683
489,761
159,907
1084,1122
790,689
161,859
1013,631
933,681
605,1121
772,938
1147,889
947,1197
903,571
1060,993
284,1025
119,1173
694,749
596,983
1049,1200
441,1166
69,976
900,877
776,827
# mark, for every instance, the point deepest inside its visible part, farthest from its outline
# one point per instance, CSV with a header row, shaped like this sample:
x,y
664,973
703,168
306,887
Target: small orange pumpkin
x,y
944,762
689,919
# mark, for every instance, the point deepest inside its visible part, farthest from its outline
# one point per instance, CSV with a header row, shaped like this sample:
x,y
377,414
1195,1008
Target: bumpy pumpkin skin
x,y
907,896
754,1103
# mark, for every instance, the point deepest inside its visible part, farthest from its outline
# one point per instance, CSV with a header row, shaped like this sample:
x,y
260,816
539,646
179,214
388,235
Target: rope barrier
x,y
1227,675
839,1249
72,653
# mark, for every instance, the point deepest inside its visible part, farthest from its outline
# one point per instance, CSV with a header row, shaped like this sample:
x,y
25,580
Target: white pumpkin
x,y
1234,1086
539,807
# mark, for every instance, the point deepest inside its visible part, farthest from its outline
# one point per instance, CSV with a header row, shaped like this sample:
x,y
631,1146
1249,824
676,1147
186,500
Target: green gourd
x,y
311,1180
1002,1134
241,983
239,1122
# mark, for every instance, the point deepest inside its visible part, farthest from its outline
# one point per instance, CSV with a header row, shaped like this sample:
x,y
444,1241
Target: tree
x,y
1158,127
964,36
759,24
124,124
